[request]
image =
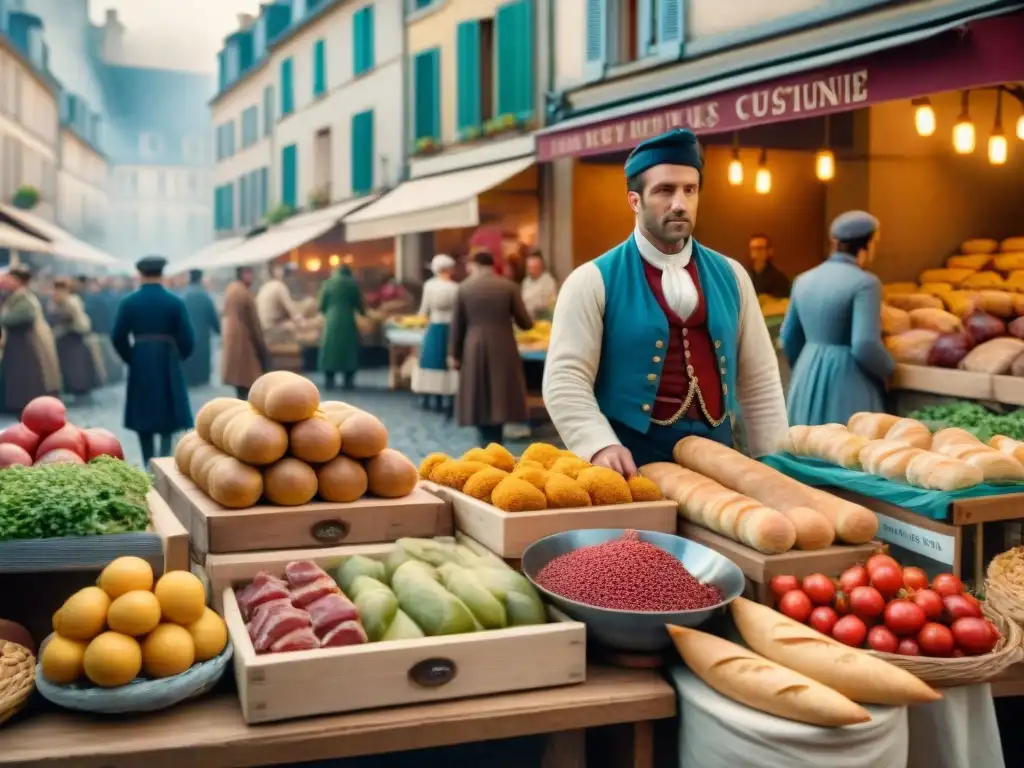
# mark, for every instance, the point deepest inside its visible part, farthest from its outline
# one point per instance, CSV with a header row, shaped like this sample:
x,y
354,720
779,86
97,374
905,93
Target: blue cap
x,y
676,147
151,266
853,225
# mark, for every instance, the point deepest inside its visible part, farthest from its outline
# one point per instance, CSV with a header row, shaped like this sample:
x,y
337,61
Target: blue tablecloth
x,y
933,504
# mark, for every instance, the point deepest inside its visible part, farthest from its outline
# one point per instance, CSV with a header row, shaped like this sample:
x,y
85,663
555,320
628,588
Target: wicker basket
x,y
967,670
1004,587
17,678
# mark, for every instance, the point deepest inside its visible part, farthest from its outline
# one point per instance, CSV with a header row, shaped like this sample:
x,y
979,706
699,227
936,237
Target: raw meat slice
x,y
346,633
302,572
255,595
297,640
278,624
314,590
331,610
263,613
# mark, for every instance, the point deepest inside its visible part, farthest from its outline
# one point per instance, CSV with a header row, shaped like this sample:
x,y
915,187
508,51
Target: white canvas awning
x,y
62,243
432,203
205,257
16,240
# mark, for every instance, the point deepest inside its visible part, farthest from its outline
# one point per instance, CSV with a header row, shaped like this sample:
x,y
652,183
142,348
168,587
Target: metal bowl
x,y
639,631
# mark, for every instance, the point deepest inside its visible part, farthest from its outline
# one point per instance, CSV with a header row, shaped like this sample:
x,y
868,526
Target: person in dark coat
x,y
340,301
206,324
152,334
482,347
28,365
768,279
71,328
101,306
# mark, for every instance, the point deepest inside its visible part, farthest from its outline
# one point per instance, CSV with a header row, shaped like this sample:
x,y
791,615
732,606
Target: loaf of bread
x,y
1004,444
741,675
363,435
894,320
979,245
995,466
851,522
184,449
910,432
935,472
939,320
888,459
951,276
1011,244
253,438
909,301
969,261
233,484
706,503
849,671
284,396
210,410
872,426
833,443
953,436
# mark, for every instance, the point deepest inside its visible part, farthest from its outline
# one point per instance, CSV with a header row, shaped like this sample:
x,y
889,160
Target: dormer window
x,y
150,144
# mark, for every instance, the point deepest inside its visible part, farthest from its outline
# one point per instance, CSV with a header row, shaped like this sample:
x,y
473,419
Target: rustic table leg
x,y
979,556
565,749
643,744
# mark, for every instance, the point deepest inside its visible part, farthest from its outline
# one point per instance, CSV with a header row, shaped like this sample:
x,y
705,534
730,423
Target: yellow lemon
x,y
126,574
210,635
112,659
182,597
134,613
168,650
83,615
62,660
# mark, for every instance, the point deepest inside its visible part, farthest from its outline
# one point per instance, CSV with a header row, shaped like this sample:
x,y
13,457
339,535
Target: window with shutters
x,y
619,32
514,59
362,40
250,127
289,175
427,96
243,201
264,191
287,95
475,82
268,110
362,153
319,68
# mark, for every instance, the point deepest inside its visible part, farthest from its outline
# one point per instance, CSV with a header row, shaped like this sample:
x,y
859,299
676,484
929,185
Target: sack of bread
x,y
1009,446
983,279
1012,244
1010,261
972,261
909,301
935,472
871,426
936,289
911,347
284,396
995,466
938,320
894,320
961,303
979,245
895,289
998,303
952,276
888,459
993,357
742,675
910,432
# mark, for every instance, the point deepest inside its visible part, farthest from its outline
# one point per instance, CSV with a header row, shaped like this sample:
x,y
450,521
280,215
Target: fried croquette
x,y
604,486
478,454
562,492
570,465
500,457
454,473
513,494
644,489
482,483
428,464
524,463
545,453
535,476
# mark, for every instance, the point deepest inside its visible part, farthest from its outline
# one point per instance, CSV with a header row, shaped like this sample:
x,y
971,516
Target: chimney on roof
x,y
245,21
112,38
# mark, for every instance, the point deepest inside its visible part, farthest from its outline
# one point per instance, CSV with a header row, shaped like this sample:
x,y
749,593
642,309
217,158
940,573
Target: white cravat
x,y
680,292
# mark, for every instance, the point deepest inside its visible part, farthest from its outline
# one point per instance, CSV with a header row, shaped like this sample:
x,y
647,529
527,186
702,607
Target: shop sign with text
x,y
935,546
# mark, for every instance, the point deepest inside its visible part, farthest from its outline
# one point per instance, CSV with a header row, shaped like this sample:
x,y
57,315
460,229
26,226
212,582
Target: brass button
x,y
718,344
645,408
722,359
722,371
655,359
651,377
659,344
725,389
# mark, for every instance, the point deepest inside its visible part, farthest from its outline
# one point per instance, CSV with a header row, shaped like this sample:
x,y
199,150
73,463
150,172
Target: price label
x,y
921,541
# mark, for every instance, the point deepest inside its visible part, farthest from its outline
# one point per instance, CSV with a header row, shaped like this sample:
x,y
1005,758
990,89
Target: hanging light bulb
x,y
825,161
997,147
735,173
924,116
964,138
763,177
1020,127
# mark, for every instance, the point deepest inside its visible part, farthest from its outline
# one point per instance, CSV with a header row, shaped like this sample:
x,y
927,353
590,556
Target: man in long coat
x,y
340,301
244,356
28,366
482,346
206,324
152,334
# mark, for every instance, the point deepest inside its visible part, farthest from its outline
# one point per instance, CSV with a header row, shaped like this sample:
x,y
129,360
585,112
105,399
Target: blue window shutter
x,y
289,172
468,69
525,61
319,68
264,191
596,41
369,52
505,57
243,201
229,206
362,153
671,27
216,209
514,34
358,22
287,98
426,76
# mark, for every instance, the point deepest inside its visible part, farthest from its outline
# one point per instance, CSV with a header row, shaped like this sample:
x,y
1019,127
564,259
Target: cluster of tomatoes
x,y
890,609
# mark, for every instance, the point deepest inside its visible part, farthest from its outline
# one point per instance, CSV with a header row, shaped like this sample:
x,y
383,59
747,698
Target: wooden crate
x,y
508,534
302,683
943,381
760,568
215,529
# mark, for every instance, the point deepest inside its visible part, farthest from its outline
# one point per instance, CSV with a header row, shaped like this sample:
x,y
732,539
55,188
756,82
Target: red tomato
x,y
102,442
972,599
947,584
866,602
11,454
904,617
974,636
823,619
855,576
935,640
887,580
851,631
841,603
780,585
44,415
882,639
915,578
878,560
957,653
819,588
908,647
930,602
69,438
958,607
796,605
59,456
21,436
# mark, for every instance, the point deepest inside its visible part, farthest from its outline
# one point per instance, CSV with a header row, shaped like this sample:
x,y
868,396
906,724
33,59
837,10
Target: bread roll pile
x,y
905,450
287,447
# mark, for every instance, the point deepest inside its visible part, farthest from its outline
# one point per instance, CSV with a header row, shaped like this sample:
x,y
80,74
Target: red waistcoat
x,y
689,344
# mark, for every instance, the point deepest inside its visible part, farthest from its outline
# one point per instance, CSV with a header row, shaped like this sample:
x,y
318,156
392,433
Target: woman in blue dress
x,y
432,380
832,331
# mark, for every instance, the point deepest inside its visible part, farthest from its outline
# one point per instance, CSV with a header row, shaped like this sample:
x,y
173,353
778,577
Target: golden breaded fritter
x,y
428,464
562,492
533,475
604,486
644,489
570,465
500,457
481,484
545,453
513,494
455,472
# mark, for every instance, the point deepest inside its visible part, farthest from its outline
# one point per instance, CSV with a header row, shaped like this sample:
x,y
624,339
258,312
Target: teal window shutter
x,y
243,201
362,40
229,206
427,106
289,175
287,97
362,153
468,81
671,27
319,68
596,39
268,110
216,209
513,25
264,191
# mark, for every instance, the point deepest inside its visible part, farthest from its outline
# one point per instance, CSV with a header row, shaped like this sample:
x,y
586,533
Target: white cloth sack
x,y
716,732
960,731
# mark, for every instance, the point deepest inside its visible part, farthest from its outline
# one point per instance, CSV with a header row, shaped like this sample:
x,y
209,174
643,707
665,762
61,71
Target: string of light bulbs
x,y
965,139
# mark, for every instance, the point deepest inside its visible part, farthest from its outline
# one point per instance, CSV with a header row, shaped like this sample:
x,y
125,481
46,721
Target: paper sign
x,y
934,546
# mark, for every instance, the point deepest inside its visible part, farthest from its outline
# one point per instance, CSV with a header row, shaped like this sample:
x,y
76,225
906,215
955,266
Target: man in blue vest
x,y
661,337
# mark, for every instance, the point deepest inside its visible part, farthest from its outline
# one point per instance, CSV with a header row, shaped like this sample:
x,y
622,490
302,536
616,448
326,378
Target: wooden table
x,y
210,733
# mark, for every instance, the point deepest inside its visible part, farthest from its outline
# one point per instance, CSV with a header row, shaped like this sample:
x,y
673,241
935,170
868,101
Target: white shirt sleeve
x,y
758,383
574,354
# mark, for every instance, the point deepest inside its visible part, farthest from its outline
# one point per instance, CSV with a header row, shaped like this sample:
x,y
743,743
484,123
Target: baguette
x,y
741,675
706,503
852,523
873,426
850,671
1001,443
888,459
910,432
935,472
953,436
836,445
995,465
